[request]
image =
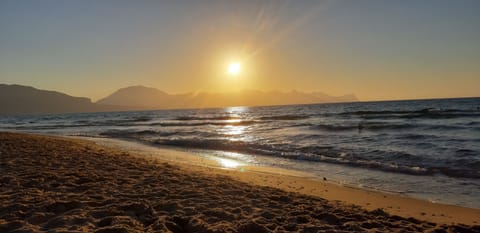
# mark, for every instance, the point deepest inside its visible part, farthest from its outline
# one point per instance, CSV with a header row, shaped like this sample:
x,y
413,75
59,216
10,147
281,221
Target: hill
x,y
17,99
151,98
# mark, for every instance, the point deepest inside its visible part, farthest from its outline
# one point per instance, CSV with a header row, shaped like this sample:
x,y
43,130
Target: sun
x,y
234,68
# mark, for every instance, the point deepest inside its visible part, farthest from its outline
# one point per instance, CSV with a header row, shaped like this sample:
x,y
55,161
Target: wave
x,y
473,123
418,136
198,118
285,117
124,121
47,127
462,168
423,113
371,126
379,126
225,118
466,153
328,154
140,135
183,124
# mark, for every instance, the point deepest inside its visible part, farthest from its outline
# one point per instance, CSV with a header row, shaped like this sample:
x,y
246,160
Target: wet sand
x,y
300,182
59,184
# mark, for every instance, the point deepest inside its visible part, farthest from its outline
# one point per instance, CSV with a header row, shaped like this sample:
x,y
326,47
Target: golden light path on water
x,y
228,163
232,132
233,129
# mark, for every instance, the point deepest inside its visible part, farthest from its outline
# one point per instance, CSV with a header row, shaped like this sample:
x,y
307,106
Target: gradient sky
x,y
376,49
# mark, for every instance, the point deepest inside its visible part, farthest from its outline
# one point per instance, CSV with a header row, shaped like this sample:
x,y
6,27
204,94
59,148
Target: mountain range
x,y
17,99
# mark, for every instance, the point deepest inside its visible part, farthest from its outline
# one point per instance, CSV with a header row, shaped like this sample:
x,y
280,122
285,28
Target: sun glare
x,y
228,163
234,68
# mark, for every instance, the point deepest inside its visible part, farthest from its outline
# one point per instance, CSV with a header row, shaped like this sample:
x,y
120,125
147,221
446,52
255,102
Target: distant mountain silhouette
x,y
17,99
151,98
137,97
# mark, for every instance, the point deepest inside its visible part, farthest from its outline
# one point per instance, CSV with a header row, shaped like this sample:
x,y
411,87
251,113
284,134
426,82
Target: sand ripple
x,y
63,185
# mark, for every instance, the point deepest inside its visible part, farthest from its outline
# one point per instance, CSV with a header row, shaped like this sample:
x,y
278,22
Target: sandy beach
x,y
70,185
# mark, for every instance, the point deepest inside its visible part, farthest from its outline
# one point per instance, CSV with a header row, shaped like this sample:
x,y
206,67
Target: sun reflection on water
x,y
228,163
233,129
240,109
233,121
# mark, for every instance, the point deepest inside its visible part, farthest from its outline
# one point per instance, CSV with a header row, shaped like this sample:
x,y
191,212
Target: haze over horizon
x,y
377,50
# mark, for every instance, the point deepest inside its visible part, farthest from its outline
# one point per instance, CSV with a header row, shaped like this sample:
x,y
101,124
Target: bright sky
x,y
376,49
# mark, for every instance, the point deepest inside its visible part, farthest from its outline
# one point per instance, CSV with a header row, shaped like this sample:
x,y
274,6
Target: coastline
x,y
304,183
43,173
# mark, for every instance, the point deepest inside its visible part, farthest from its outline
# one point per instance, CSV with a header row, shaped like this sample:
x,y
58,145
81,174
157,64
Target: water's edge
x,y
222,160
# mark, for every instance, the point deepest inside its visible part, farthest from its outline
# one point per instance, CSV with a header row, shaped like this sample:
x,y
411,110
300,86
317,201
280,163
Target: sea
x,y
427,149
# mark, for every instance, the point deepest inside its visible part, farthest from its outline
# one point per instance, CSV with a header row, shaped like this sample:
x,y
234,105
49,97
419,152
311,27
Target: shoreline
x,y
68,184
304,183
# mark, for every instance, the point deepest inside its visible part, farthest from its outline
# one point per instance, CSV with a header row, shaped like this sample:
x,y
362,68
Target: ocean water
x,y
422,148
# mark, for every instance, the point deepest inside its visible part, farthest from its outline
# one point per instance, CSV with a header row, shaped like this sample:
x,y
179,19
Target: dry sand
x,y
66,185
